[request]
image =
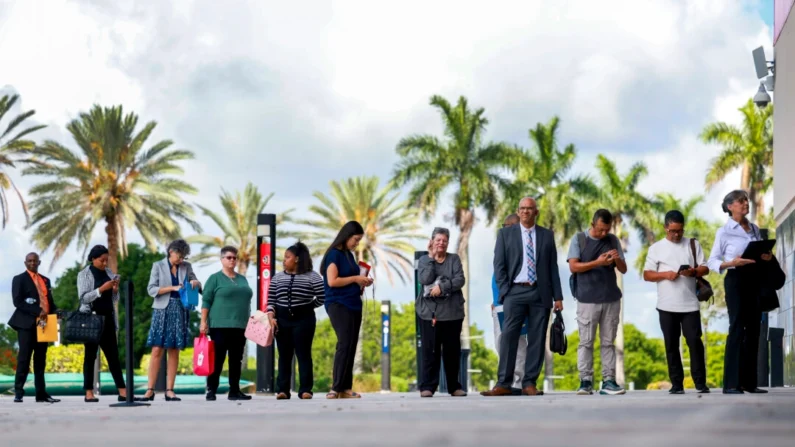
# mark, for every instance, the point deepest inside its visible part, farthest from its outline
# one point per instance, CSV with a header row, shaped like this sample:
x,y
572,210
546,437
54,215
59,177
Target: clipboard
x,y
756,249
48,333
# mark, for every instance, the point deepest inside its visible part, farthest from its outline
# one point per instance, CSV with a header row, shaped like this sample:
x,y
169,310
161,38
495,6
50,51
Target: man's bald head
x,y
512,219
32,262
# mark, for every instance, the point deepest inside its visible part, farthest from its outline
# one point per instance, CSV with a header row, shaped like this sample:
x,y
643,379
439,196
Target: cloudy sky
x,y
291,95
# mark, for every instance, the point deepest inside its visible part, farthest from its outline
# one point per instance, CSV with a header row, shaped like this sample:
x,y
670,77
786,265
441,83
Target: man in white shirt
x,y
674,263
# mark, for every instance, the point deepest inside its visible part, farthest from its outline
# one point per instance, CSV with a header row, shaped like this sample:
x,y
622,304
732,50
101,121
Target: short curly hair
x,y
179,247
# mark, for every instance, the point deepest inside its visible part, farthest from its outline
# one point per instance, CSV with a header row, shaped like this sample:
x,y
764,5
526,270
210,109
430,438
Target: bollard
x,y
266,259
128,343
386,360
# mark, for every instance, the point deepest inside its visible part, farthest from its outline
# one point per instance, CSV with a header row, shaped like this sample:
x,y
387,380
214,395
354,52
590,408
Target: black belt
x,y
526,284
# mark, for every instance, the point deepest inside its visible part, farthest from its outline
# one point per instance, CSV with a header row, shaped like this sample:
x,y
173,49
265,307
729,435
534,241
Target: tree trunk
x,y
112,232
619,343
745,180
757,206
466,221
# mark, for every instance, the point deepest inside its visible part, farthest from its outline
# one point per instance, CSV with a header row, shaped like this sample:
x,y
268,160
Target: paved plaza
x,y
639,419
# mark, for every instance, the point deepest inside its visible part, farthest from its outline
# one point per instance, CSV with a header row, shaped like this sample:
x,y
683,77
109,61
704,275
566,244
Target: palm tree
x,y
112,179
629,207
749,148
462,161
11,148
543,173
391,225
238,226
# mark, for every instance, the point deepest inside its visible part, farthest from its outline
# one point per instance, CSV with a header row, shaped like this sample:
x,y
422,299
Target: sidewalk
x,y
638,419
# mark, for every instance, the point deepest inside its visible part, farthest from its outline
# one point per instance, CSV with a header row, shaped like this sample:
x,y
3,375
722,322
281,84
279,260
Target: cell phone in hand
x,y
683,267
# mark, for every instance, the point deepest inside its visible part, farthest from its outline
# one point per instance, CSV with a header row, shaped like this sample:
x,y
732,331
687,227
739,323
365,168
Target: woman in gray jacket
x,y
440,308
169,329
98,289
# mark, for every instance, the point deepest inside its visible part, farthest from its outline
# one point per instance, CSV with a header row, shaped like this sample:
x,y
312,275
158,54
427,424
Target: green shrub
x,y
68,359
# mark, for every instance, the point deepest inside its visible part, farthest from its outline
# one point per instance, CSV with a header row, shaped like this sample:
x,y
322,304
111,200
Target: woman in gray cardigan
x,y
169,329
440,308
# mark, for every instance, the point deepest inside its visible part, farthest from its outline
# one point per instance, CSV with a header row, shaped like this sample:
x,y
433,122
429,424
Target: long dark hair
x,y
300,251
347,231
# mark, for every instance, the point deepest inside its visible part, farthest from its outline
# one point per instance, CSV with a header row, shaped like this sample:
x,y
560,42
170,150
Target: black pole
x,y
386,345
266,238
160,382
417,335
128,324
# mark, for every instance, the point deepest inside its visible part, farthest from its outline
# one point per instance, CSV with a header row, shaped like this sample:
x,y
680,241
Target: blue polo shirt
x,y
349,296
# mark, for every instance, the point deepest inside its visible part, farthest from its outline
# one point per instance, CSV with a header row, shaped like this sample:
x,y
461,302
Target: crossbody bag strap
x,y
693,250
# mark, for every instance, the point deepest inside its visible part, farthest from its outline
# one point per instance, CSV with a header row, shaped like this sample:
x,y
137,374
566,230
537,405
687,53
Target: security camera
x,y
761,98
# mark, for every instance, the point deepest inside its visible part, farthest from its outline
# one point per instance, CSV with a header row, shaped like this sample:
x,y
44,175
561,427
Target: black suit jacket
x,y
509,261
22,288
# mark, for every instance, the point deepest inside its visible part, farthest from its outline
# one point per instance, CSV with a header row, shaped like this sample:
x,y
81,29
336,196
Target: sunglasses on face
x,y
230,258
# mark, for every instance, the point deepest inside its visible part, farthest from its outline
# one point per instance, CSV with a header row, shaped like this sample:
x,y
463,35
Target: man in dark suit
x,y
526,269
32,295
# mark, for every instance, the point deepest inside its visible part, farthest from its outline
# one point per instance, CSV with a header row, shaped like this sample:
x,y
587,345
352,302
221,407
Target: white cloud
x,y
290,95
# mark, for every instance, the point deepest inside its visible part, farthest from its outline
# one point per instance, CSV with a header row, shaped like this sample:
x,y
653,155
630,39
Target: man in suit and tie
x,y
526,269
32,295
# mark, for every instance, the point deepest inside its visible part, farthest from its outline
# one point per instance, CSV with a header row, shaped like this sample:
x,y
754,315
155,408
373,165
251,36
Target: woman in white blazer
x,y
169,329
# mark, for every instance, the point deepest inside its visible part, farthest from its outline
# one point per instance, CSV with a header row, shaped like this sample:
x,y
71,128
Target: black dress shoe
x,y
210,397
732,391
676,390
755,390
703,389
17,399
238,395
48,400
90,401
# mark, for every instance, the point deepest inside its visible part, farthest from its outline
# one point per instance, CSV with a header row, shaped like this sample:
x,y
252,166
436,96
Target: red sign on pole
x,y
265,268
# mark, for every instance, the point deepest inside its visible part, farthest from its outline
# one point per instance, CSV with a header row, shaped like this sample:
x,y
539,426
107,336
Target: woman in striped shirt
x,y
293,296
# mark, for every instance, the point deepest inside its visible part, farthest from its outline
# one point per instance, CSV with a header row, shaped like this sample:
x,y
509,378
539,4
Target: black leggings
x,y
110,348
232,341
346,323
294,337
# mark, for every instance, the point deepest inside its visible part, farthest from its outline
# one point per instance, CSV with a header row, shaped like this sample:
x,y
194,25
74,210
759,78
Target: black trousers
x,y
742,341
442,342
673,325
346,323
30,348
294,337
523,302
110,348
231,341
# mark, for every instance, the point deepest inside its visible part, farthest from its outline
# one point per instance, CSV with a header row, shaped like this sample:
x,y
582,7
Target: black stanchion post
x,y
386,361
128,324
266,258
160,383
417,292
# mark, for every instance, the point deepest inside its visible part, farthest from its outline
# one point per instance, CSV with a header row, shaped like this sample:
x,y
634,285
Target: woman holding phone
x,y
743,288
98,289
343,284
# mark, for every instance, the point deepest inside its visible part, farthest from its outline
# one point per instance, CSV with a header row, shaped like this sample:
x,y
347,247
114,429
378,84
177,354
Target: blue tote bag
x,y
188,295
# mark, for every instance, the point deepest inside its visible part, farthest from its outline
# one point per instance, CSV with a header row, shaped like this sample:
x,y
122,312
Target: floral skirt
x,y
169,327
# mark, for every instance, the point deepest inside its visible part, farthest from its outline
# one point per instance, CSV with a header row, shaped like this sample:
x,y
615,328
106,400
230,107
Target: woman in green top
x,y
226,303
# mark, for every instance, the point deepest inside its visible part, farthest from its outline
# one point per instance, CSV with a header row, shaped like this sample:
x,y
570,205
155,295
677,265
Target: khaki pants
x,y
521,352
606,317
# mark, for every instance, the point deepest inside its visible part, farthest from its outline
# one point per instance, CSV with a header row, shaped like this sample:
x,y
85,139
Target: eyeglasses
x,y
527,208
231,258
682,231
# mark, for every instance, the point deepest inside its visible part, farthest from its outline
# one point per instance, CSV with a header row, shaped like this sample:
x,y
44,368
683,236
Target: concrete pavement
x,y
638,419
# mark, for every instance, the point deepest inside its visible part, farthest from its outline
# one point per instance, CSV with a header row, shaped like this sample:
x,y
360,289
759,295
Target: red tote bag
x,y
203,356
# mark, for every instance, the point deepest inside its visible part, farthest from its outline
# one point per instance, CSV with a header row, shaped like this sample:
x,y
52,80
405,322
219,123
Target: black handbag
x,y
703,288
84,327
773,280
557,335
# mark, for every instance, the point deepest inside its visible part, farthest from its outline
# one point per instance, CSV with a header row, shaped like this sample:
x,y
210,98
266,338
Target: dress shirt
x,y
730,242
527,233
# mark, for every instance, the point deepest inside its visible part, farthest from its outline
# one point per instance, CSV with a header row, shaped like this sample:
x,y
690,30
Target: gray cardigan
x,y
161,277
450,305
88,293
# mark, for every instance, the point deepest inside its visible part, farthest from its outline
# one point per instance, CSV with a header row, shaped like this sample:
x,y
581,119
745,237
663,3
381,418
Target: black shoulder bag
x,y
84,327
703,288
557,335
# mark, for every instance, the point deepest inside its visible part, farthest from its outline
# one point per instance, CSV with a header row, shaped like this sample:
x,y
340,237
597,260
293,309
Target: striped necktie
x,y
531,259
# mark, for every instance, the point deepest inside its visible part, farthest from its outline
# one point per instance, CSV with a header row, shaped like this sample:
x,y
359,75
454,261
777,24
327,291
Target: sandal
x,y
305,396
333,395
351,395
282,396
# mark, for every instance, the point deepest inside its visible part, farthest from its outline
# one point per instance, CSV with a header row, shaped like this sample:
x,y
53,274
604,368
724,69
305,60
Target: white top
x,y
666,256
731,241
527,233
